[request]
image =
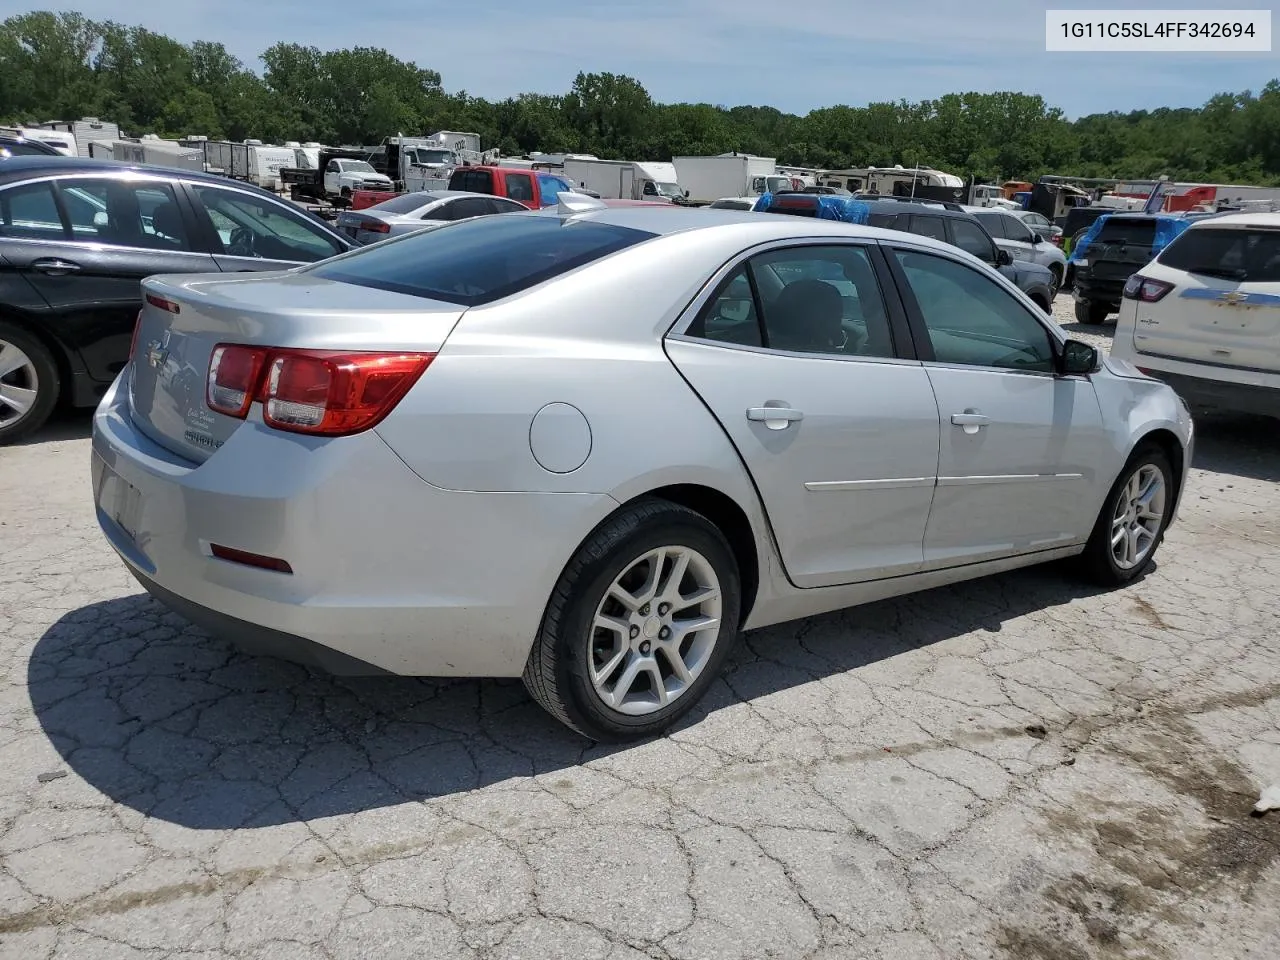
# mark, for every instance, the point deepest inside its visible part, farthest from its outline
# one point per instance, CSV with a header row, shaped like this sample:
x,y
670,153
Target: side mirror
x,y
1003,257
686,194
1037,238
1077,358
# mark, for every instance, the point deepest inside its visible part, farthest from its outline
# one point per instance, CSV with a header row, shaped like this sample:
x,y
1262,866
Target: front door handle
x,y
971,421
775,418
55,267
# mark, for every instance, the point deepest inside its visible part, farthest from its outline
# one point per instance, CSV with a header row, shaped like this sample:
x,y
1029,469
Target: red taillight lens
x,y
311,391
163,304
1145,289
375,226
234,374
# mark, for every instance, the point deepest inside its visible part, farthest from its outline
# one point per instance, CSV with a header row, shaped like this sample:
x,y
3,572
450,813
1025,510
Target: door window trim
x,y
899,331
920,330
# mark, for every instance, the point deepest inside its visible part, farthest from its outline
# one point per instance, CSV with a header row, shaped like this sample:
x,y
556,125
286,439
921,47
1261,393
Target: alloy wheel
x,y
1139,515
655,630
19,384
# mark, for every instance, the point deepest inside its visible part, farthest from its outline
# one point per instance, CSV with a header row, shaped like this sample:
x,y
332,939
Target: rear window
x,y
794,205
1141,230
483,260
1249,256
405,203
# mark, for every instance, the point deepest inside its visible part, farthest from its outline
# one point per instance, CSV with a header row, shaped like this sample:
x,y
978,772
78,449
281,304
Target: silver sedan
x,y
476,451
414,211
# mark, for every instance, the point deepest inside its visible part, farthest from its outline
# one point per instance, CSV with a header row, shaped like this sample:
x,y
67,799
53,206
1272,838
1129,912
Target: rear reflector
x,y
163,304
233,555
325,392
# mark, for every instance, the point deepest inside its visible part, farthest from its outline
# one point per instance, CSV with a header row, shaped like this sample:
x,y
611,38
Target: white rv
x,y
624,179
729,175
884,179
83,131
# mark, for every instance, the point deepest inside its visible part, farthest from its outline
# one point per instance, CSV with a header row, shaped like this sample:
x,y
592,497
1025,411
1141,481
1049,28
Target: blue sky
x,y
728,52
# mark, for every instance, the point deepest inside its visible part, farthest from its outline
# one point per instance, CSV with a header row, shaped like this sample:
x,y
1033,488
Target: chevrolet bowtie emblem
x,y
1233,297
158,351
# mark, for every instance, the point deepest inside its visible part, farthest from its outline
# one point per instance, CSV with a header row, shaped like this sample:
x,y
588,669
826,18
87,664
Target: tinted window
x,y
247,226
1137,230
1015,229
995,224
405,203
970,238
520,187
479,181
30,212
971,319
1251,256
481,260
20,148
886,220
731,315
470,207
124,213
929,227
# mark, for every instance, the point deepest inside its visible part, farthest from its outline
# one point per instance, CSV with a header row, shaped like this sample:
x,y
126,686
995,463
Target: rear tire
x,y
578,670
30,390
1057,272
1092,313
1126,535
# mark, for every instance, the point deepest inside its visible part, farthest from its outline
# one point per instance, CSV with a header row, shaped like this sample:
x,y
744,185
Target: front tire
x,y
1133,520
638,625
29,383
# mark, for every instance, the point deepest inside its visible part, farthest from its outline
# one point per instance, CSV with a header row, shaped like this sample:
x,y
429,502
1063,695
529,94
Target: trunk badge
x,y
1233,297
158,351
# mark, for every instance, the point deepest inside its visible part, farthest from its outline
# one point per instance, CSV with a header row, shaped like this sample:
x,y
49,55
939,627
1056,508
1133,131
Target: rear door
x,y
113,233
806,363
1224,307
248,232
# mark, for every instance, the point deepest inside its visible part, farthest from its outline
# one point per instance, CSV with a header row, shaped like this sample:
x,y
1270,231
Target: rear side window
x,y
30,212
929,227
520,187
1248,256
405,203
886,220
482,260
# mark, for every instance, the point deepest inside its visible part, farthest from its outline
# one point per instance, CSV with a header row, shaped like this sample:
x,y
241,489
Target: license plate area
x,y
119,500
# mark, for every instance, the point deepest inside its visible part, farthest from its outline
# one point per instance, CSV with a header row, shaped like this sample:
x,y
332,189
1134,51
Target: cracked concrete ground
x,y
1018,768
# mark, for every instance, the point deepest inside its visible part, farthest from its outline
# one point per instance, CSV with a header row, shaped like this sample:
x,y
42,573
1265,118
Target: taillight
x,y
160,302
325,392
375,226
1145,289
234,374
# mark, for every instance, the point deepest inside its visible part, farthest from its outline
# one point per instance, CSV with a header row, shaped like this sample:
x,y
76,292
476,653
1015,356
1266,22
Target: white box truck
x,y
729,175
625,179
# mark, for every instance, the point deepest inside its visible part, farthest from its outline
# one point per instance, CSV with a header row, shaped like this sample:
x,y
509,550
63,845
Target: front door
x,y
795,355
1020,446
250,233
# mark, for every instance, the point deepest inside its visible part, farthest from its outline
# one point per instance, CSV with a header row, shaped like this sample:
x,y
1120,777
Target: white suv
x,y
1204,315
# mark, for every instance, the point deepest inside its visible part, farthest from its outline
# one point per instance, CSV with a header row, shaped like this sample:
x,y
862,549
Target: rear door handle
x,y
54,266
775,418
970,420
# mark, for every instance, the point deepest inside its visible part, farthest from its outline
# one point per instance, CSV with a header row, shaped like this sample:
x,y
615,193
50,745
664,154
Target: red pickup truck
x,y
533,188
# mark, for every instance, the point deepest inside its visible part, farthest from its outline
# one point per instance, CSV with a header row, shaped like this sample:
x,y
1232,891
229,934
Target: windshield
x,y
357,166
1138,230
669,190
1251,256
434,157
479,261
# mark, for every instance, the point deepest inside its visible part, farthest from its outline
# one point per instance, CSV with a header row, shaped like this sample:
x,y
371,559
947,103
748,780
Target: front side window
x,y
29,212
823,300
124,213
481,260
1015,229
249,226
1246,256
971,319
970,238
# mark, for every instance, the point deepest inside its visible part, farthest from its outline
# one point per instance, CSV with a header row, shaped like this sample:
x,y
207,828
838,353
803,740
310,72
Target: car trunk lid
x,y
1224,308
184,318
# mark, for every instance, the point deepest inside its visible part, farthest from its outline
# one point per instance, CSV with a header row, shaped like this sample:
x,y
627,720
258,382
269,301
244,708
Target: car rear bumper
x,y
1208,392
1097,291
390,573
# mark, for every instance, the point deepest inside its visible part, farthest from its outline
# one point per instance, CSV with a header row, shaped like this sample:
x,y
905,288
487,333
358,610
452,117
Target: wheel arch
x,y
63,357
1169,444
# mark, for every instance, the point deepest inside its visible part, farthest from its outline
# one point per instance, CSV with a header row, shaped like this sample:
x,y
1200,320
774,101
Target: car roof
x,y
17,168
1266,220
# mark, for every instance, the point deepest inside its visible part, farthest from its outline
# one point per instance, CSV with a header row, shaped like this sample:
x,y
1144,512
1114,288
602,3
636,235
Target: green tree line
x,y
65,66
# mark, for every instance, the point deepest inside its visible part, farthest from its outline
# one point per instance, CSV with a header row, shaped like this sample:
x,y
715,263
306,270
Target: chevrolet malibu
x,y
589,446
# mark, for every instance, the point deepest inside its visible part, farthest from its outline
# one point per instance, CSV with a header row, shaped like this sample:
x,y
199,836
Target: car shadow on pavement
x,y
63,425
1238,444
168,721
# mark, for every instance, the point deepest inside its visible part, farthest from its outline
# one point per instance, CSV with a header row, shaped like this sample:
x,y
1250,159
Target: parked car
x,y
860,414
1204,315
1012,234
77,237
532,188
1039,223
412,211
19,146
930,218
1116,247
1076,224
732,203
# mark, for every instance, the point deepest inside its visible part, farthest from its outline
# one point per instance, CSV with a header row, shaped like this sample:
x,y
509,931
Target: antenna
x,y
568,204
